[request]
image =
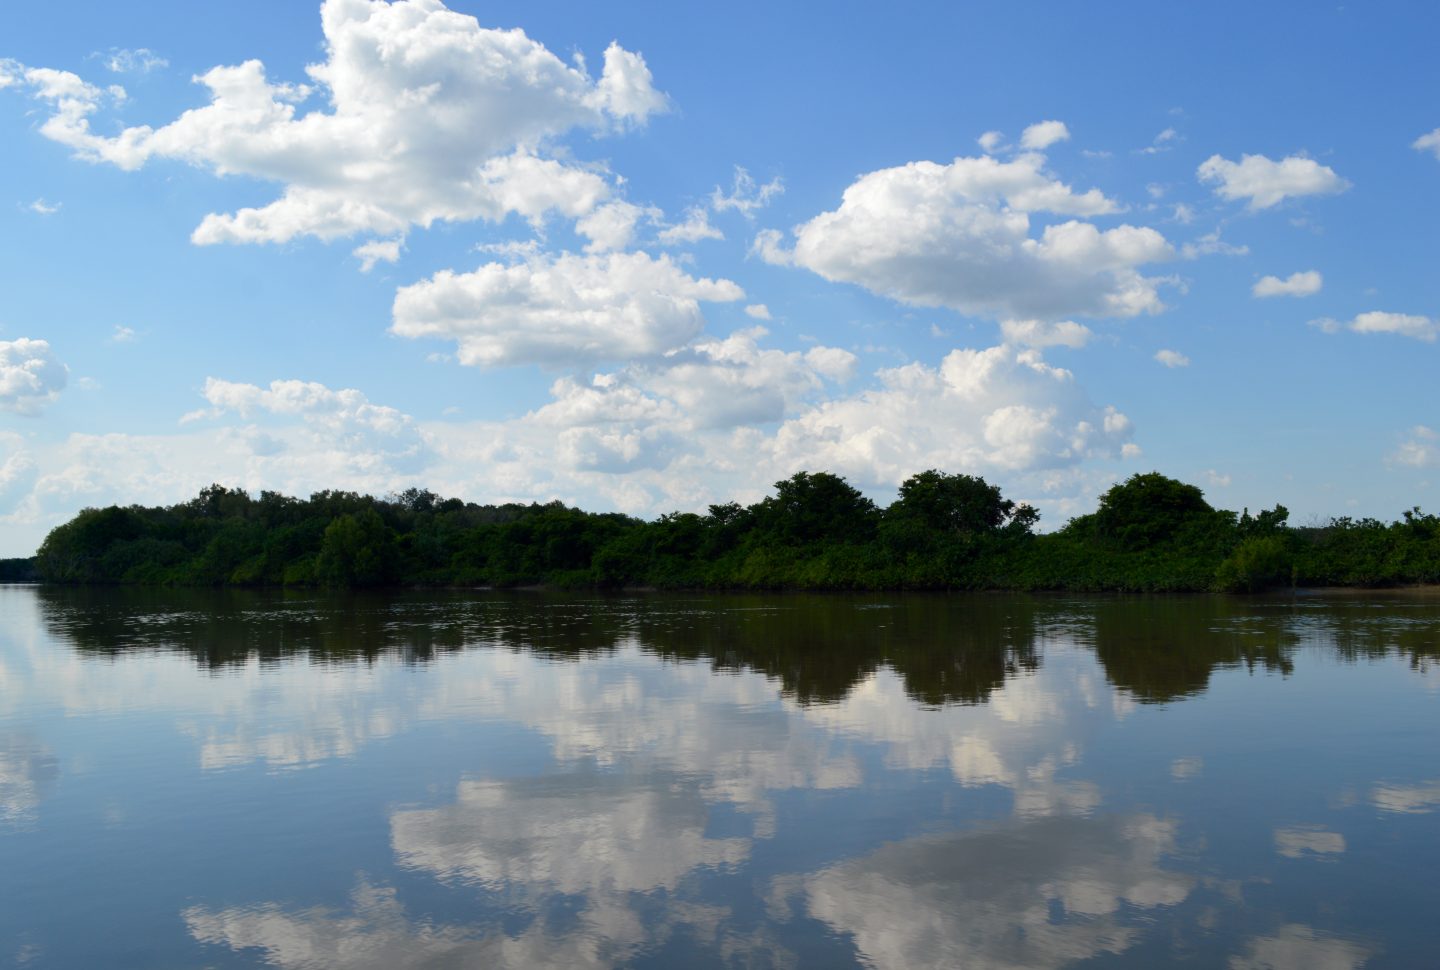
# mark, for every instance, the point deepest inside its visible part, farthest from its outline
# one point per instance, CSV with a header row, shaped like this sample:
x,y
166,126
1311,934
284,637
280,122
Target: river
x,y
216,779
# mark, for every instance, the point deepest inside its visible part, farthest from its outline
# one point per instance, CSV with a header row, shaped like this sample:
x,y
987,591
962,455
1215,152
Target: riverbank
x,y
944,532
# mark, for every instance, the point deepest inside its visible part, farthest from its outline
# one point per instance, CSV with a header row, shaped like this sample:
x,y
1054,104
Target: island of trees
x,y
944,531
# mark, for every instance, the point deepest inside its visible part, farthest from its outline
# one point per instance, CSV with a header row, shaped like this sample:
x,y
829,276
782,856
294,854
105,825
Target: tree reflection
x,y
948,649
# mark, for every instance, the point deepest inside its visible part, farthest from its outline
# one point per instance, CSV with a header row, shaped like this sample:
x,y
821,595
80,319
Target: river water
x,y
525,779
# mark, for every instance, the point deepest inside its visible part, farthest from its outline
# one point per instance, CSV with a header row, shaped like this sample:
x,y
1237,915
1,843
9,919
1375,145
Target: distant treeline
x,y
1150,533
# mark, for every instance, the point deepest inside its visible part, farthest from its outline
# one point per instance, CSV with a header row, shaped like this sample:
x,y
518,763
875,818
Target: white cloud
x,y
695,228
990,141
1172,358
1430,142
1420,450
1377,321
1307,283
1043,134
431,117
746,196
1163,142
996,410
959,236
30,375
612,226
378,251
344,423
769,245
758,311
42,208
561,310
1037,333
1211,244
142,60
716,419
1265,182
122,335
1216,480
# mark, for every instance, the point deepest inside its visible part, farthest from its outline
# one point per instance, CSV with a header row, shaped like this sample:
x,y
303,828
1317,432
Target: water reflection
x,y
27,773
525,779
1407,799
946,649
1040,894
1298,947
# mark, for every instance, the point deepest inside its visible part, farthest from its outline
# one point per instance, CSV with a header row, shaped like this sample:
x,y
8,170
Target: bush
x,y
1256,564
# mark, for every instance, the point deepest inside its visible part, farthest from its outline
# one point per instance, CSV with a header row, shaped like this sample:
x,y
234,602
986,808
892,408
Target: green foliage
x,y
358,550
958,505
1258,563
1148,510
1149,534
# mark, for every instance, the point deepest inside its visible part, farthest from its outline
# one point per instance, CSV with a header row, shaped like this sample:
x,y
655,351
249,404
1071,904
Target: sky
x,y
645,259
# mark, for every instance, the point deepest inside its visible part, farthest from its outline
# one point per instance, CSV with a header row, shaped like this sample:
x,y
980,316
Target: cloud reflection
x,y
1407,799
1300,841
1298,947
1036,894
27,773
571,834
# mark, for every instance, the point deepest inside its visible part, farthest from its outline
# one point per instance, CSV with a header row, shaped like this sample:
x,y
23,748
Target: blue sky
x,y
643,261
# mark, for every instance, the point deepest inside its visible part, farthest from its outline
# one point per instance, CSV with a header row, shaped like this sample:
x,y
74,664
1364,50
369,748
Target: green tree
x,y
358,550
1147,510
959,505
808,508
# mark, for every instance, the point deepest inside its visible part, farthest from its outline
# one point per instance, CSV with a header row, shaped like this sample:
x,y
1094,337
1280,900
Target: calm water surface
x,y
489,780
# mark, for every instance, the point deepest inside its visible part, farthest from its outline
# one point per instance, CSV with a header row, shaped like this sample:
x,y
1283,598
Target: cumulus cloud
x,y
1162,142
991,141
343,422
648,415
141,60
997,410
561,310
42,208
1037,333
1211,244
378,251
746,196
960,236
1307,283
695,228
430,117
1430,143
1172,358
612,226
1378,321
30,375
1264,182
1043,134
1420,449
758,311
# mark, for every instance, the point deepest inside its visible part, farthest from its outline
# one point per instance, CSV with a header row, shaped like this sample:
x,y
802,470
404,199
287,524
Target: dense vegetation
x,y
1149,533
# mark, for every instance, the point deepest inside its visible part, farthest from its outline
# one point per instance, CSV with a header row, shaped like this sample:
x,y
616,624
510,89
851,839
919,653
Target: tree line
x,y
816,531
